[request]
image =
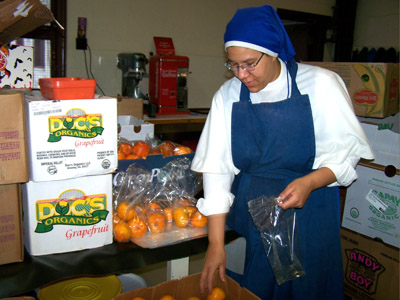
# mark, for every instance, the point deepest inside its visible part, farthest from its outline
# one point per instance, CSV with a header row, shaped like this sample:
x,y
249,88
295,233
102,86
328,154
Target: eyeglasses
x,y
244,67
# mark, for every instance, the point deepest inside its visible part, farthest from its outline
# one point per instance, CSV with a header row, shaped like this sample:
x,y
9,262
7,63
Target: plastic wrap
x,y
279,236
157,208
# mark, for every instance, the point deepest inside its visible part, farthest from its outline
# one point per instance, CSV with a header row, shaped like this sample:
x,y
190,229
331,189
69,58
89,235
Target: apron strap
x,y
244,93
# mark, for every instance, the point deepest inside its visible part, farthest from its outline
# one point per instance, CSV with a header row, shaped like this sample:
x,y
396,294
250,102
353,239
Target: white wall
x,y
196,27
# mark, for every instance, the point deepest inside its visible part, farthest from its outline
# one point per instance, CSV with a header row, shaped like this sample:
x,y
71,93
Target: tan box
x,y
13,152
186,287
371,268
373,87
11,244
130,107
20,17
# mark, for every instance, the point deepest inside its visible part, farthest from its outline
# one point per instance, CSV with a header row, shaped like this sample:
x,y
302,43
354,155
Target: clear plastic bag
x,y
158,207
279,236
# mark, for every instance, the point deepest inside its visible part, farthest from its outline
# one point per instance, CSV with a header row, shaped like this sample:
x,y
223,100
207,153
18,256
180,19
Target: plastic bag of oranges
x,y
156,212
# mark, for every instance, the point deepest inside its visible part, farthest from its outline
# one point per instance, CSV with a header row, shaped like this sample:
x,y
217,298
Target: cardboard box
x,y
11,243
18,17
372,201
186,287
130,107
371,268
391,123
18,69
13,152
134,129
67,215
71,138
373,87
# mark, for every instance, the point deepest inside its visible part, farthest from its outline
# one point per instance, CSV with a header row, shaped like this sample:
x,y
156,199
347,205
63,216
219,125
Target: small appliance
x,y
168,79
133,66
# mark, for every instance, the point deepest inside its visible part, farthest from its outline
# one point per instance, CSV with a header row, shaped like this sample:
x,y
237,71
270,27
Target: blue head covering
x,y
259,28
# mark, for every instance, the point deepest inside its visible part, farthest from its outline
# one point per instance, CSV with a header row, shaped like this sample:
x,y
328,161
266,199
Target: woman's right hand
x,y
215,259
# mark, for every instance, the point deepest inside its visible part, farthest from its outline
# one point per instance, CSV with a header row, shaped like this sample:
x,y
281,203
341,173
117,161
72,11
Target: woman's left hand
x,y
297,192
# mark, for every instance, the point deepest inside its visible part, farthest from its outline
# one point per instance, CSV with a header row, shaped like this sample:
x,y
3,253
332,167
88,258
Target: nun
x,y
281,129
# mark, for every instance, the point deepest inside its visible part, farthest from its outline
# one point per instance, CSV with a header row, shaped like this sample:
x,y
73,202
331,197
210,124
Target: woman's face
x,y
266,71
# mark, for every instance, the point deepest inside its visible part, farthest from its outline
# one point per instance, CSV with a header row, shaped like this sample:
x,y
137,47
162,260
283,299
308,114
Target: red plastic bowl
x,y
67,88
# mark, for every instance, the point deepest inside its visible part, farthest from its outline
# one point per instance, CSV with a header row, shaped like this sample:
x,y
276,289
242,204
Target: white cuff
x,y
217,196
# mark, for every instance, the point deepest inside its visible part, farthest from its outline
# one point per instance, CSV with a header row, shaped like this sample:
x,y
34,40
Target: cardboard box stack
x,y
72,150
13,171
373,87
370,225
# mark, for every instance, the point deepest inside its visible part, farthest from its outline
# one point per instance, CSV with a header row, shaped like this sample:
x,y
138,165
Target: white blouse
x,y
340,140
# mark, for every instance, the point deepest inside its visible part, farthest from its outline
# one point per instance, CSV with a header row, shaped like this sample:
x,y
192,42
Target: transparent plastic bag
x,y
279,236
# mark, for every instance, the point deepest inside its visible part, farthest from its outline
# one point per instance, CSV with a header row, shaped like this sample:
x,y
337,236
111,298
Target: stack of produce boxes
x,y
13,171
370,225
72,151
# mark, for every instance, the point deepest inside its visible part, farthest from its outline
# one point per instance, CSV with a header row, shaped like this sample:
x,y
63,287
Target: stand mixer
x,y
133,66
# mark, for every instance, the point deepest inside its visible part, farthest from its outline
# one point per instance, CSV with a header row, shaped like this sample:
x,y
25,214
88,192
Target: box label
x,y
362,270
77,210
75,123
376,201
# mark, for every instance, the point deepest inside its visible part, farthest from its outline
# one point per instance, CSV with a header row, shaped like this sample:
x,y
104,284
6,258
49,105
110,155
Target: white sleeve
x,y
217,196
213,152
339,138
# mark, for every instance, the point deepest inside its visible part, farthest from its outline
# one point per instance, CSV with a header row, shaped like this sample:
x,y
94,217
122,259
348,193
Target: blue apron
x,y
273,144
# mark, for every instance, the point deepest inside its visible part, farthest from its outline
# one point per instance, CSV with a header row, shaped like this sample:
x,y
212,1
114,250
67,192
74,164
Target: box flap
x,y
384,143
18,17
164,45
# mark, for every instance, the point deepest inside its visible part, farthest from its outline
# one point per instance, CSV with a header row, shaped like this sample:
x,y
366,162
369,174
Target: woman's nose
x,y
242,74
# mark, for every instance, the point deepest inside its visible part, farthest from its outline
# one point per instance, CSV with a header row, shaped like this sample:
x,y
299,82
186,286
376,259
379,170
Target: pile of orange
x,y
141,149
133,221
138,149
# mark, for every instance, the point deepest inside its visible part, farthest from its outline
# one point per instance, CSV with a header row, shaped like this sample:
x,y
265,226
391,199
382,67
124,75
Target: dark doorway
x,y
307,32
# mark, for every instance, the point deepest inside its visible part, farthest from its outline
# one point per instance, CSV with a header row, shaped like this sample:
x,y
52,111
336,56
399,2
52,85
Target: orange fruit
x,y
153,207
121,155
139,209
125,148
155,151
191,210
182,150
156,222
181,216
167,297
168,213
132,156
167,148
198,219
137,227
216,294
125,211
193,298
116,218
138,298
141,149
121,232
